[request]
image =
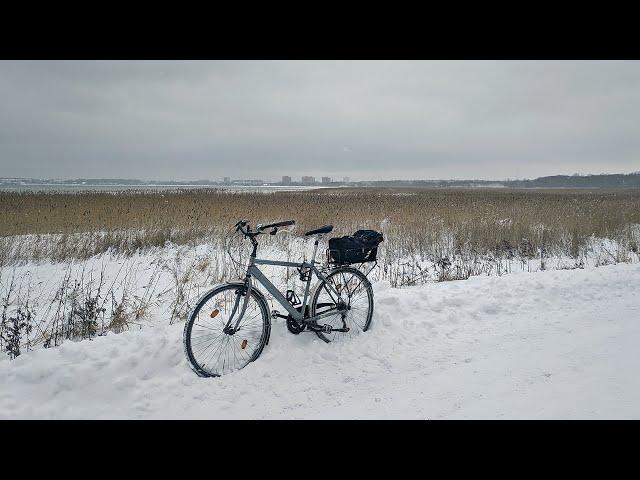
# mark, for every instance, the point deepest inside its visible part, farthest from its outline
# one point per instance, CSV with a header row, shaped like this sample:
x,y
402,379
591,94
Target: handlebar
x,y
243,226
286,223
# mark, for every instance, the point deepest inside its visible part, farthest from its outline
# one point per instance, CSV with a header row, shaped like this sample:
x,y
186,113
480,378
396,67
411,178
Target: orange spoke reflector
x,y
215,313
243,345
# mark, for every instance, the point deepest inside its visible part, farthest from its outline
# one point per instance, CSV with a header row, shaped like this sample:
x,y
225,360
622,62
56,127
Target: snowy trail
x,y
553,344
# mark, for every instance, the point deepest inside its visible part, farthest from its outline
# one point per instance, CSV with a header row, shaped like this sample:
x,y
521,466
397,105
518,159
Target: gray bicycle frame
x,y
254,272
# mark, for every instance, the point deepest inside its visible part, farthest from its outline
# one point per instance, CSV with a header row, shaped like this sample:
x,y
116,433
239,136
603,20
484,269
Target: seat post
x,y
315,250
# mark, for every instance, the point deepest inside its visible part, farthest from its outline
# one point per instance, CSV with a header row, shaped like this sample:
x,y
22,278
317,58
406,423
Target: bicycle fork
x,y
245,291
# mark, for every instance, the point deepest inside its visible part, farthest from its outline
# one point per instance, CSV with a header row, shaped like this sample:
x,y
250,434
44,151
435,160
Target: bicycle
x,y
231,324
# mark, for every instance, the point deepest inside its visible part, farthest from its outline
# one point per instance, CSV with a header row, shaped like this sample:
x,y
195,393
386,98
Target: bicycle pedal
x,y
275,313
326,328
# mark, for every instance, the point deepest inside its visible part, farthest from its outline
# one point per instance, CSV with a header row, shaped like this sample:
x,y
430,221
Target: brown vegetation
x,y
415,221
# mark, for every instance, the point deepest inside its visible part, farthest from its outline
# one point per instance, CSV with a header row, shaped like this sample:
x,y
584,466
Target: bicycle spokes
x,y
352,309
215,347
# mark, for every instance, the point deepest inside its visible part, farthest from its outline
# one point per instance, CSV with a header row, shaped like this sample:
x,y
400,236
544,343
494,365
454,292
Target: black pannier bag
x,y
360,247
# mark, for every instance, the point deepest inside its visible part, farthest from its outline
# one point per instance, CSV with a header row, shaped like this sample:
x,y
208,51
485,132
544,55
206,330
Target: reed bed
x,y
416,222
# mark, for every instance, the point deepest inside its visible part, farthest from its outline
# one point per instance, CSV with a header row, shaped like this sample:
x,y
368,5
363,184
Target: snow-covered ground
x,y
549,344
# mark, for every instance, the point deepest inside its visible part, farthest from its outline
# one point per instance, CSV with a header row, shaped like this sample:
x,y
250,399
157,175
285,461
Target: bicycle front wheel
x,y
357,293
210,351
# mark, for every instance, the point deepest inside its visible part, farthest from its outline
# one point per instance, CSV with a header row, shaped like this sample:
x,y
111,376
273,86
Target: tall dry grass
x,y
416,222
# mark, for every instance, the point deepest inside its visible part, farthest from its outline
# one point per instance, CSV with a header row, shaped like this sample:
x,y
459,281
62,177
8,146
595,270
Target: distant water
x,y
52,188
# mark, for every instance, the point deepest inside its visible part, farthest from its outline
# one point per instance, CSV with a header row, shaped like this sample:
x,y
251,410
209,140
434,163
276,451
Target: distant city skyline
x,y
631,180
305,179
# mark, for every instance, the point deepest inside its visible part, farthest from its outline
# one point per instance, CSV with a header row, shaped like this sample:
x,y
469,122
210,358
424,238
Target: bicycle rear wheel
x,y
210,351
356,291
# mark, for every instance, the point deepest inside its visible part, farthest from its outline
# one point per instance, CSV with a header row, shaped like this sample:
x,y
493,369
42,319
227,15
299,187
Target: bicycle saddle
x,y
322,229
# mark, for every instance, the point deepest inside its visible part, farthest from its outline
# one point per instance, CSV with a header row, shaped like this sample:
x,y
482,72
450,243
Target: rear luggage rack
x,y
349,256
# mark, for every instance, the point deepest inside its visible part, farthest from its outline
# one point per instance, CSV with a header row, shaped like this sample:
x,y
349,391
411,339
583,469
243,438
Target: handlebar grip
x,y
240,225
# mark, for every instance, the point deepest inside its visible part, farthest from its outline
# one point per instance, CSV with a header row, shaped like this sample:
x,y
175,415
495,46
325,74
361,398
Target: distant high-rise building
x,y
286,180
326,179
227,179
308,180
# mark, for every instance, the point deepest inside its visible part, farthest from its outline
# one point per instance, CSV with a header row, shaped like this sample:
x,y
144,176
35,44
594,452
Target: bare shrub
x,y
15,326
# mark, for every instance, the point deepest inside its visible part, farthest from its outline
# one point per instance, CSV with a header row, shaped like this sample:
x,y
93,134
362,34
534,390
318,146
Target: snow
x,y
549,344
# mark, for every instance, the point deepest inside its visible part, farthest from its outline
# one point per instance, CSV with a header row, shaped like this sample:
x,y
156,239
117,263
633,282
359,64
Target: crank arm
x,y
324,328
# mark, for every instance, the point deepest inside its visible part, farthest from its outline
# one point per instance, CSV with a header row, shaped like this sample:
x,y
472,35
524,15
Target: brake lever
x,y
241,223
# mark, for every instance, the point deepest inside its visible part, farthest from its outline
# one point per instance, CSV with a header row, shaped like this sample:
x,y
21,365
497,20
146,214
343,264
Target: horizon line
x,y
168,181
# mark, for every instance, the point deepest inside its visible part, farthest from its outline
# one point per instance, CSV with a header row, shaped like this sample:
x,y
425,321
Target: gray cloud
x,y
364,119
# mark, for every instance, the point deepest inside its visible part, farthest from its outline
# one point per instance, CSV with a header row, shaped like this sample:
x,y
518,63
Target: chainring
x,y
293,326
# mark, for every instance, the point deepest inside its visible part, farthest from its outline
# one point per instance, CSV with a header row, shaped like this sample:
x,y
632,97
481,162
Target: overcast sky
x,y
364,119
